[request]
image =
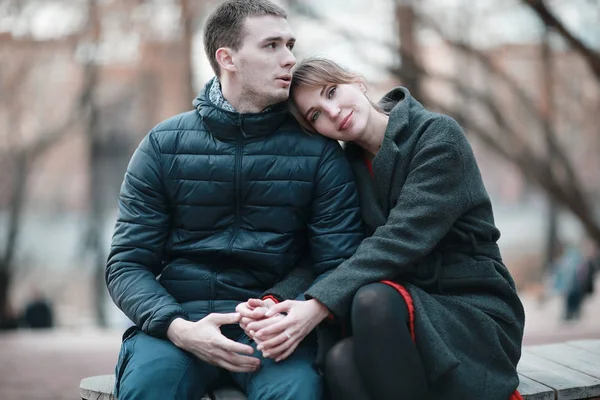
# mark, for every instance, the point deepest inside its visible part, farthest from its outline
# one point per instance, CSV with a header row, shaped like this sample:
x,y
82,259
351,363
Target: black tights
x,y
380,361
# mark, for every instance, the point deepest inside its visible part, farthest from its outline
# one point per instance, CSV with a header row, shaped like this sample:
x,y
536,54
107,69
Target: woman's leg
x,y
385,354
341,374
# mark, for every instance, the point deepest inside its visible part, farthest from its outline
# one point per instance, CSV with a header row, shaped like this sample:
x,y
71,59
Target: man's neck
x,y
242,102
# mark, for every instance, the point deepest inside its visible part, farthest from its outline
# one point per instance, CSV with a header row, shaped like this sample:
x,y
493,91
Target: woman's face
x,y
338,111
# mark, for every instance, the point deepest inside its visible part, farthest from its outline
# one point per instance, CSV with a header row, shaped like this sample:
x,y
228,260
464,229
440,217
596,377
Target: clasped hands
x,y
278,329
277,334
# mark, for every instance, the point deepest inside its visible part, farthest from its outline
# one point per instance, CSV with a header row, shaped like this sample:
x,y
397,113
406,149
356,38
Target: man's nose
x,y
289,60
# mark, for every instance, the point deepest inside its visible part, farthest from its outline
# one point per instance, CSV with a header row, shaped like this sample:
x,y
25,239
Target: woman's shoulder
x,y
434,127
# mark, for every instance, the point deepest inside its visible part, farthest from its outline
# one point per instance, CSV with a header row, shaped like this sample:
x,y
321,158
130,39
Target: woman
x,y
432,311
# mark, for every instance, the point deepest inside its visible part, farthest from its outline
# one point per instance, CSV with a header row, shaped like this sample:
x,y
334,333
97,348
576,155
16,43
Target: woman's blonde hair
x,y
316,72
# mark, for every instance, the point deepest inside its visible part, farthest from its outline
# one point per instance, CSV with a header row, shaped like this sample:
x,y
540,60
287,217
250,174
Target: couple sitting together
x,y
251,249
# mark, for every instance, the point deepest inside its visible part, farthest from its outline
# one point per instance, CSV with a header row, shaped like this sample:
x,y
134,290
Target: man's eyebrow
x,y
278,39
310,109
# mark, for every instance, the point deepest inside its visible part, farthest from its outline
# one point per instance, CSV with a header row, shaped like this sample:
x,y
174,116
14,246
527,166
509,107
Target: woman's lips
x,y
346,122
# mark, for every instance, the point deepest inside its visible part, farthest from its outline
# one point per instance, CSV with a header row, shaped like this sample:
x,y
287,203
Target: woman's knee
x,y
338,357
373,304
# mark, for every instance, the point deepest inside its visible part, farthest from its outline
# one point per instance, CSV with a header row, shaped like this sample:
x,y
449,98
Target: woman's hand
x,y
279,338
254,310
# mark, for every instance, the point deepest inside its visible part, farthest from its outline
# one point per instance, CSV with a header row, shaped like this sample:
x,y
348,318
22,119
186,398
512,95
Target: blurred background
x,y
82,81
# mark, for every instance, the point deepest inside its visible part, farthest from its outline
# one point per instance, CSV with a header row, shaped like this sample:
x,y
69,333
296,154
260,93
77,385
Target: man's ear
x,y
224,56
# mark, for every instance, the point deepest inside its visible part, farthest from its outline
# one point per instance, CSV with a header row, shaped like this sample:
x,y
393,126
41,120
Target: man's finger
x,y
242,361
279,308
235,367
223,319
220,355
256,303
259,312
243,310
235,347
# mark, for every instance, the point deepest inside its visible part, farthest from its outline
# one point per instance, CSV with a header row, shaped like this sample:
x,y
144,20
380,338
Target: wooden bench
x,y
561,371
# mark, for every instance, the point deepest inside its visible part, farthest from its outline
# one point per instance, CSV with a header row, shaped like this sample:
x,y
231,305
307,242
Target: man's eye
x,y
315,116
290,46
272,45
331,92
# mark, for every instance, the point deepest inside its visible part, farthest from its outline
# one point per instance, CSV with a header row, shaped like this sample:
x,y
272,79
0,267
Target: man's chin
x,y
280,96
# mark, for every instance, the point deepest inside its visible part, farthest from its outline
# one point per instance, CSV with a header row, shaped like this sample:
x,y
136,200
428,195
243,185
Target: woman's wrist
x,y
321,311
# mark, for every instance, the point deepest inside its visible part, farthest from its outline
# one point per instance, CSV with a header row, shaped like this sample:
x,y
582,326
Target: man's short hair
x,y
225,26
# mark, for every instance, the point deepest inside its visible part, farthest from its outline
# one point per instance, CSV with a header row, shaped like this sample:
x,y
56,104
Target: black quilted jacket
x,y
216,207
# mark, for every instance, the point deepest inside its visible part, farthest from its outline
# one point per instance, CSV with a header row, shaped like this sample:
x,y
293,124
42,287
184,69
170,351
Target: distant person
x,y
38,312
431,310
572,279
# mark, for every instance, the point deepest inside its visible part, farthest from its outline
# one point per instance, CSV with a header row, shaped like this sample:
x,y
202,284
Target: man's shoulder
x,y
189,120
291,128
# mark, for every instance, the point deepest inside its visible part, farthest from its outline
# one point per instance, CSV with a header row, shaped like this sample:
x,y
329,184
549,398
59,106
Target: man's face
x,y
265,60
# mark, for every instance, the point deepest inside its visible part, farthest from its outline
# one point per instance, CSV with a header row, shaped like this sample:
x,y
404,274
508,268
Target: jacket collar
x,y
231,125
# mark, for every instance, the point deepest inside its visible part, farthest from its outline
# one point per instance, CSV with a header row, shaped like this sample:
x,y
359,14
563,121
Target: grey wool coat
x,y
430,227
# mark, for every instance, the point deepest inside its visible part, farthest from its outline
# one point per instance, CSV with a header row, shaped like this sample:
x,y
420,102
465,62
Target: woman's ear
x,y
362,85
224,57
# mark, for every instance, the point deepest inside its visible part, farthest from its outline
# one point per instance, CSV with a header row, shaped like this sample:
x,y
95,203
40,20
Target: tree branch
x,y
550,20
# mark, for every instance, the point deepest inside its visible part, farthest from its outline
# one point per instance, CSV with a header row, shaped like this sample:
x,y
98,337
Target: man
x,y
218,205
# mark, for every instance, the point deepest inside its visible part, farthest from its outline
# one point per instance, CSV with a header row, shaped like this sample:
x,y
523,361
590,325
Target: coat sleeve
x,y
432,198
138,241
293,284
335,226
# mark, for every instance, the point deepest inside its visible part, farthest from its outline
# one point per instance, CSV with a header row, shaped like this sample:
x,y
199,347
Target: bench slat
x,y
573,357
532,390
568,383
592,346
97,387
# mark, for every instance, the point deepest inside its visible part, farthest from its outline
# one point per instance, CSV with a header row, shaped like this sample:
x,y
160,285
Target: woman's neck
x,y
374,133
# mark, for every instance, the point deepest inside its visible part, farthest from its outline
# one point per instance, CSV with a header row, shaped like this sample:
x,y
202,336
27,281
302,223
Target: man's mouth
x,y
285,78
345,121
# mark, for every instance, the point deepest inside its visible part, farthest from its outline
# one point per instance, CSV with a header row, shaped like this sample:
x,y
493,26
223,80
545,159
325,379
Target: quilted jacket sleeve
x,y
138,241
335,226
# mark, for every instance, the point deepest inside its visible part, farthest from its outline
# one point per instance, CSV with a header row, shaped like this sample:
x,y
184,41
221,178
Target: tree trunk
x,y
187,17
5,311
547,97
409,71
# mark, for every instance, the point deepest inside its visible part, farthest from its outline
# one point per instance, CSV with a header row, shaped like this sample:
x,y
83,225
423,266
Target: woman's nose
x,y
333,112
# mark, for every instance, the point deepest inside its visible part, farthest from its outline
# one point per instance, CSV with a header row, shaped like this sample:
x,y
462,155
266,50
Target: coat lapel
x,y
397,103
371,210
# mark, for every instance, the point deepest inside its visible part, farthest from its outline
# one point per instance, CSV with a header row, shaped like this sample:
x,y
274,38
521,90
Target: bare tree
x,y
551,21
17,159
553,172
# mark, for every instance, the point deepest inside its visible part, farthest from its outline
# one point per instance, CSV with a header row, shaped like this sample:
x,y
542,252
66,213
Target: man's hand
x,y
253,310
205,340
279,339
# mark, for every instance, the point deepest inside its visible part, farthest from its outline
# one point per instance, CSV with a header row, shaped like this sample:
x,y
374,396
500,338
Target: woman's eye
x,y
272,45
315,116
331,92
290,46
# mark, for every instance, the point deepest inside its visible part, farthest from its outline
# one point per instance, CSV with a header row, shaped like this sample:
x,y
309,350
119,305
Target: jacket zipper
x,y
237,184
